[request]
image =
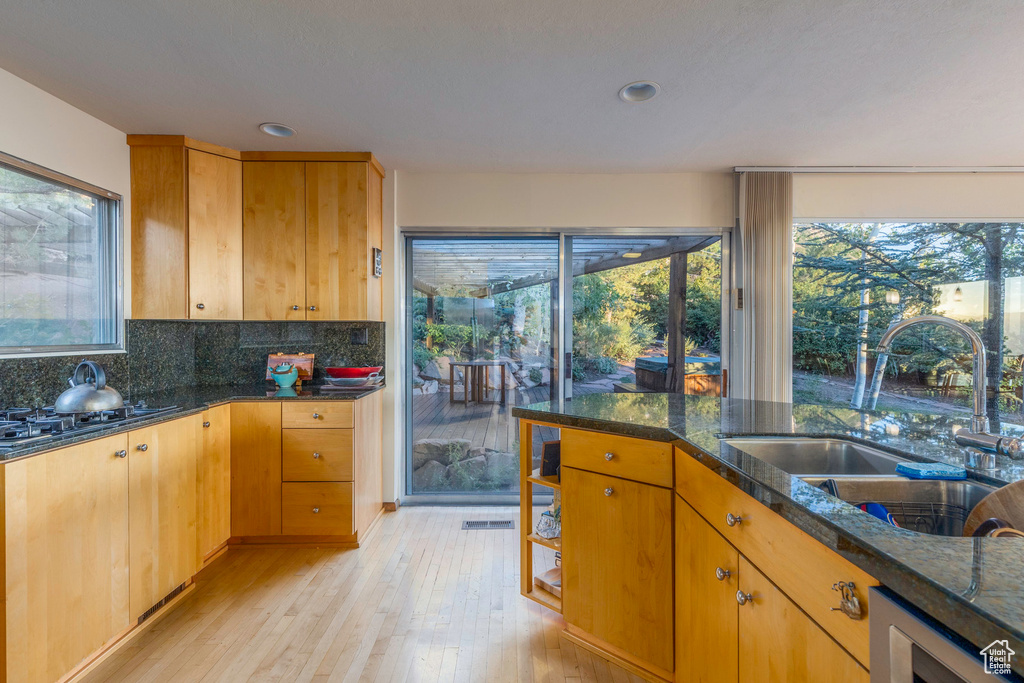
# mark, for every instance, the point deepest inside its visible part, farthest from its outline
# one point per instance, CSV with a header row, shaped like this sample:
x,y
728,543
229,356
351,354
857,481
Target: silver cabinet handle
x,y
121,454
733,520
722,574
312,308
609,491
609,456
744,598
316,511
200,306
206,425
142,447
316,455
316,416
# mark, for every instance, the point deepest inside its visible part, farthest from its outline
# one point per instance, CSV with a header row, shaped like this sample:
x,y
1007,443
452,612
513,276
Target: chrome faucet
x,y
978,435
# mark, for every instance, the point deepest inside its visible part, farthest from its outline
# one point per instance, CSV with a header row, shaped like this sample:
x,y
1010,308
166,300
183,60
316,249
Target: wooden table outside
x,y
474,380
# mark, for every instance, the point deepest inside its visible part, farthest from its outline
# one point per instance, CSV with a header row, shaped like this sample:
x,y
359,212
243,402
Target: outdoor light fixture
x,y
639,91
958,294
277,130
892,297
632,254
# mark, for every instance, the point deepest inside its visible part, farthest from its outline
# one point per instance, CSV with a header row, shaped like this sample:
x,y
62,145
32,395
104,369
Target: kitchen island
x,y
971,586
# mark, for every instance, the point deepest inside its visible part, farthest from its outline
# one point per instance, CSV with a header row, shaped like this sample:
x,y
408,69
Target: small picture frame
x,y
378,262
551,459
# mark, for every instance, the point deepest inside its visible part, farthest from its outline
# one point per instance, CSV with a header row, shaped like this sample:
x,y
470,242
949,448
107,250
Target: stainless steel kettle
x,y
88,394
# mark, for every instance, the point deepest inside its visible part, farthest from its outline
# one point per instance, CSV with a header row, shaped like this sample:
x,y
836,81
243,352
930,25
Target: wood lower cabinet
x,y
617,571
316,508
66,557
779,642
213,486
161,510
256,468
707,619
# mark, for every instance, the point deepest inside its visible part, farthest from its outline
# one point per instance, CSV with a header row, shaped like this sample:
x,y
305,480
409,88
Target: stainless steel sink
x,y
832,457
924,505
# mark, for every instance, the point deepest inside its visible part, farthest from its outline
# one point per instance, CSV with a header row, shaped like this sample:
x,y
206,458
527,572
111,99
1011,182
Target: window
x,y
59,263
852,280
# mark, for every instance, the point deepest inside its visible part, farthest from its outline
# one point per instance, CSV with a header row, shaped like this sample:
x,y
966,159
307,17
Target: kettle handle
x,y
97,372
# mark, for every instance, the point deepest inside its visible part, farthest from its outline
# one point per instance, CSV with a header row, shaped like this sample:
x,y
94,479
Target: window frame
x,y
114,252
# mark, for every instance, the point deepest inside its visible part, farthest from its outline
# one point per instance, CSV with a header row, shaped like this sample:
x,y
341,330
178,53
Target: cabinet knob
x,y
295,308
316,511
316,416
206,425
609,491
744,598
316,455
722,574
200,306
312,308
142,447
609,456
121,454
733,520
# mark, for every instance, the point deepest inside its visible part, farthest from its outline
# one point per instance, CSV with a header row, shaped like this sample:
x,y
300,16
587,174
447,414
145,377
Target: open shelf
x,y
553,543
538,594
549,481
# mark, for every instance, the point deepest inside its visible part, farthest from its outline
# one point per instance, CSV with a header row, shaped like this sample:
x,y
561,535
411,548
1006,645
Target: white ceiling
x,y
530,85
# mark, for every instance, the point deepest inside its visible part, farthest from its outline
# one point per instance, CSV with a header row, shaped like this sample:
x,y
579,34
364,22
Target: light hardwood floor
x,y
421,601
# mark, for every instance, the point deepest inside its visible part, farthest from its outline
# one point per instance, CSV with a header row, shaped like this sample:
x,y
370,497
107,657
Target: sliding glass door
x,y
502,321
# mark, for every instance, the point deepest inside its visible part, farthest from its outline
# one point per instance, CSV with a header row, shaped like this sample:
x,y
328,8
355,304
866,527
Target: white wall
x,y
38,127
908,196
563,200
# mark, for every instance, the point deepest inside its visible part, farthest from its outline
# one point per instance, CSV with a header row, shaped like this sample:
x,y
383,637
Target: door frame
x,y
561,331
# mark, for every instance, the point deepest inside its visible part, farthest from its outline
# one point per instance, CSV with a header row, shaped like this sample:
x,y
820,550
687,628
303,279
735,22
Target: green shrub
x,y
536,375
605,365
421,356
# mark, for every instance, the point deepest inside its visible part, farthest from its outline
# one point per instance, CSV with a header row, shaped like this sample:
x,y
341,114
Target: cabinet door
x,y
274,240
214,236
66,531
617,563
707,578
779,642
213,512
337,247
162,509
256,468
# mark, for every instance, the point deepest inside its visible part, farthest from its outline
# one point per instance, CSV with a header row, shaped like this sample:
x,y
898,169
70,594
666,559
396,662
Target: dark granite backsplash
x,y
169,354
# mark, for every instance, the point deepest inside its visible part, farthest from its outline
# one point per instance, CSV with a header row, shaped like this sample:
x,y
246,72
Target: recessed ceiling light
x,y
640,91
278,130
632,254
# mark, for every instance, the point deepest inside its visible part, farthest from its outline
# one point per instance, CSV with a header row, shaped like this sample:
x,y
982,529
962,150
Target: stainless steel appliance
x,y
31,426
908,646
89,391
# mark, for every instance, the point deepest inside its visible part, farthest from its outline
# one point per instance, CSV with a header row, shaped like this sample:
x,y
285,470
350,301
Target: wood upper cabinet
x,y
162,509
779,642
617,570
707,578
186,229
213,492
274,237
66,544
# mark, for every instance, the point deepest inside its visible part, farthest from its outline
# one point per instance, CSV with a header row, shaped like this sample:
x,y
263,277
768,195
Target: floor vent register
x,y
475,524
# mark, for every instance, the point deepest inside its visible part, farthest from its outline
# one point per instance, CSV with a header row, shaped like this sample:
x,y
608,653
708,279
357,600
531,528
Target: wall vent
x,y
155,608
472,524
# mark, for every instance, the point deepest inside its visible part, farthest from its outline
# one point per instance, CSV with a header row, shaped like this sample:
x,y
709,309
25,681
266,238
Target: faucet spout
x,y
979,422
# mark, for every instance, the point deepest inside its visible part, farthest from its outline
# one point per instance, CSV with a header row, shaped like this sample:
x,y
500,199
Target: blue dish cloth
x,y
930,470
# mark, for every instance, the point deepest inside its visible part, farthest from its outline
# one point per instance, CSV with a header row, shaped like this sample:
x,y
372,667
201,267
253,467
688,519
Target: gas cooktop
x,y
24,426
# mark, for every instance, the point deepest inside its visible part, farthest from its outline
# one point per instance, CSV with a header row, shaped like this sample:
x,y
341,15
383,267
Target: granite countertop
x,y
973,586
188,401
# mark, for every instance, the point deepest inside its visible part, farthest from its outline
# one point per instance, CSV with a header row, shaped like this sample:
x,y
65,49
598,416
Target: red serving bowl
x,y
349,373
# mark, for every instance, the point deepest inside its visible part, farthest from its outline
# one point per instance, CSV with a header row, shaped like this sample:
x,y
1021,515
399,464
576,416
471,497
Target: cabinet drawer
x,y
618,456
317,414
316,454
315,509
795,562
